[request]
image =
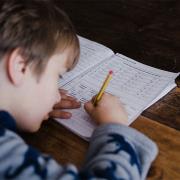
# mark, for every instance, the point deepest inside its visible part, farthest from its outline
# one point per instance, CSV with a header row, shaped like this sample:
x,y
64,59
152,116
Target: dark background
x,y
145,30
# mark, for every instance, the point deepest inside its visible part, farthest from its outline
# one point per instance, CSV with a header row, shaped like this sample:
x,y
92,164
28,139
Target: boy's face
x,y
40,95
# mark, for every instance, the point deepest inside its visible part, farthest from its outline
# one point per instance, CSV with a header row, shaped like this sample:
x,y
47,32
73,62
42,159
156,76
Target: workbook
x,y
137,85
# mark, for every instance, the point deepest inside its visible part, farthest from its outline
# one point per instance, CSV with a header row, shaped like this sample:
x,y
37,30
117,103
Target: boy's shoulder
x,y
8,133
17,155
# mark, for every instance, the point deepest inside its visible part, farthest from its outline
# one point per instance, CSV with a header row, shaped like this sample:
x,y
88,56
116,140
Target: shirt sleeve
x,y
115,152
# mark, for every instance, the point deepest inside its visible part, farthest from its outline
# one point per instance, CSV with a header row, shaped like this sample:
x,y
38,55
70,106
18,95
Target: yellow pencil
x,y
104,86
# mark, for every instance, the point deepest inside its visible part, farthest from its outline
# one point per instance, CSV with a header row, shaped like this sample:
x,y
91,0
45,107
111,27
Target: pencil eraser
x,y
110,72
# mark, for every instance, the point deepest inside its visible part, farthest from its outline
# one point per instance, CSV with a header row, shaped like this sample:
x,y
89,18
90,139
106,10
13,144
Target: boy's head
x,y
37,44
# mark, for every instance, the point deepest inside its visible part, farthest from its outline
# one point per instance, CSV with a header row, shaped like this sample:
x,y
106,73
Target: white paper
x,y
137,86
91,53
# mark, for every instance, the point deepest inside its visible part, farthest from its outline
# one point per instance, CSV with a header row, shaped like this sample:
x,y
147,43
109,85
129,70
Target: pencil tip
x,y
110,72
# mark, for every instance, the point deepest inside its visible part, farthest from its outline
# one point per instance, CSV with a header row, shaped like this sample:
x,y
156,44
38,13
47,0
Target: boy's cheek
x,y
37,125
29,127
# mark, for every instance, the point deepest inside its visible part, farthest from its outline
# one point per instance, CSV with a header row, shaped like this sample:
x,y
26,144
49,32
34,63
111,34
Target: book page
x,y
136,85
91,53
163,93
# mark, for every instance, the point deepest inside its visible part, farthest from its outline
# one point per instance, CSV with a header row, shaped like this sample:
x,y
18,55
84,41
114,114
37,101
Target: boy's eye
x,y
60,76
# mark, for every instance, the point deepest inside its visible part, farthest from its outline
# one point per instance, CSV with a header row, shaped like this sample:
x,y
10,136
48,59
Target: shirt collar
x,y
7,121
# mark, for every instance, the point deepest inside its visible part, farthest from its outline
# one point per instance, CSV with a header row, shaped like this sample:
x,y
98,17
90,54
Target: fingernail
x,y
68,115
78,103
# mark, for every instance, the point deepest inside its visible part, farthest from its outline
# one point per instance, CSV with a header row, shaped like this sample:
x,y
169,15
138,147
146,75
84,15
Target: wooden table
x,y
147,31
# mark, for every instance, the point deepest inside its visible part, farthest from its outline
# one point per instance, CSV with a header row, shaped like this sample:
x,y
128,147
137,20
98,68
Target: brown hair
x,y
37,28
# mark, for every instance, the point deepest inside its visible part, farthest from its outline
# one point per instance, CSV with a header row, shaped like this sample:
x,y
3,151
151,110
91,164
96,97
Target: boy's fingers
x,y
88,106
65,96
67,104
93,98
63,91
60,114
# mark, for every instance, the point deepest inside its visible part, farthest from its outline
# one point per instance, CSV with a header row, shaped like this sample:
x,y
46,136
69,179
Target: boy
x,y
37,45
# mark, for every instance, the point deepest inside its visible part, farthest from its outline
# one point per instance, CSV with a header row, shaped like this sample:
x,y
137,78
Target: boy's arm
x,y
119,152
116,152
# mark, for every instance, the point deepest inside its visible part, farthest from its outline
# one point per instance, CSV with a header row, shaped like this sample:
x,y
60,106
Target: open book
x,y
137,85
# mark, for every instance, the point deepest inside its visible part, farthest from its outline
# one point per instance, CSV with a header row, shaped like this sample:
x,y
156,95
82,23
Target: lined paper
x,y
137,86
91,53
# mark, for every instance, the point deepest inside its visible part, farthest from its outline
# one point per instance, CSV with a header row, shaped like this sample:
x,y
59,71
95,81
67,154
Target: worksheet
x,y
136,85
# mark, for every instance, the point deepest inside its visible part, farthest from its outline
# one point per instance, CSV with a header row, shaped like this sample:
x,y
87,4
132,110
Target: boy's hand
x,y
108,110
67,102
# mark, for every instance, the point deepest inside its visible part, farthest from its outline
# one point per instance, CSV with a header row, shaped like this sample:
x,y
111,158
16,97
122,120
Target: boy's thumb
x,y
88,106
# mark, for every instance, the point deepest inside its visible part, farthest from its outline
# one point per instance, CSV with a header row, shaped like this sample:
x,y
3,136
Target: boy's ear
x,y
16,67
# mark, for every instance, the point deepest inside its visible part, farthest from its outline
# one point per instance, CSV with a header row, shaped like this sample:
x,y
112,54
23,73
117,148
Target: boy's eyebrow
x,y
60,76
69,69
72,65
